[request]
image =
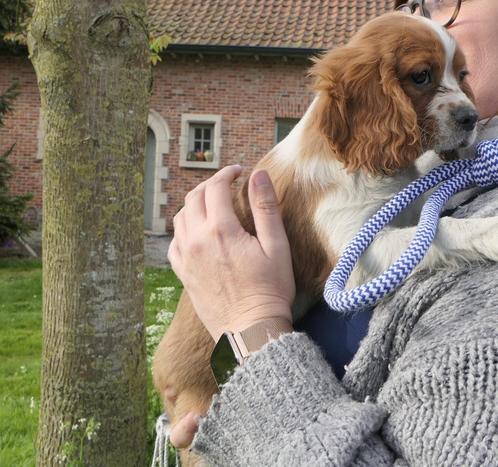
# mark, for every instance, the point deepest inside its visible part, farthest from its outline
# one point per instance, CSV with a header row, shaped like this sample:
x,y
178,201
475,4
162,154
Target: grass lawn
x,y
20,349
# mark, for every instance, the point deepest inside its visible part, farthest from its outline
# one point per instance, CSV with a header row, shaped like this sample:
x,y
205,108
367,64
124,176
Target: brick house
x,y
231,84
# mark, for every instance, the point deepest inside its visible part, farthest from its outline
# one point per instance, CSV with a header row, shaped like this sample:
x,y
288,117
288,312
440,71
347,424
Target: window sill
x,y
214,165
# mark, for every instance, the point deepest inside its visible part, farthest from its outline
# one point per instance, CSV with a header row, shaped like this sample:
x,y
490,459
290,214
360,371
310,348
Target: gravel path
x,y
156,249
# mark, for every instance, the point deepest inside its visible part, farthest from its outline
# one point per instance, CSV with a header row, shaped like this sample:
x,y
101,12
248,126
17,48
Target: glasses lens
x,y
441,10
404,8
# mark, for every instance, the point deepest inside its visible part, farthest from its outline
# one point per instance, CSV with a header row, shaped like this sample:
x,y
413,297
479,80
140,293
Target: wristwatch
x,y
233,349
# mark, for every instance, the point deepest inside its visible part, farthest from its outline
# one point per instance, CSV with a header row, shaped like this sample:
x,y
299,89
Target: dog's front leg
x,y
464,239
456,241
181,362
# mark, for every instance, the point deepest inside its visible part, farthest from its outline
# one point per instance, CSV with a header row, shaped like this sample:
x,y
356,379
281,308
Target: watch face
x,y
223,359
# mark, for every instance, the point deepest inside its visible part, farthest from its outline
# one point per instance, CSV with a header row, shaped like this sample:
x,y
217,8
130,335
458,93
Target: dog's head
x,y
396,90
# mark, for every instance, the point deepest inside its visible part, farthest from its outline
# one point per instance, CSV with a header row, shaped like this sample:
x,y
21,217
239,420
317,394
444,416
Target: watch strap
x,y
256,336
233,349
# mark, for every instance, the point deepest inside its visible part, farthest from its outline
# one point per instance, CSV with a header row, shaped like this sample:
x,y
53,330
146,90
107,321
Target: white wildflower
x,y
23,369
166,293
74,427
153,329
92,428
164,317
32,405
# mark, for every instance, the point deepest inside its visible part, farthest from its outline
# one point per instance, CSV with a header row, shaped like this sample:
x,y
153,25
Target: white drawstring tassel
x,y
160,457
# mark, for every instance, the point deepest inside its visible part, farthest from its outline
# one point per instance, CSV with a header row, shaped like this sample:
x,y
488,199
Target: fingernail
x,y
261,178
197,419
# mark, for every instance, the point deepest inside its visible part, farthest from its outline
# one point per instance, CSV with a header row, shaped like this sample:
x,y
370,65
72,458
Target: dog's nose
x,y
466,117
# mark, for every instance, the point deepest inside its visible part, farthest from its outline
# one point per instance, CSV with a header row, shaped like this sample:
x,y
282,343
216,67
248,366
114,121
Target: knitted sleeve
x,y
429,364
285,407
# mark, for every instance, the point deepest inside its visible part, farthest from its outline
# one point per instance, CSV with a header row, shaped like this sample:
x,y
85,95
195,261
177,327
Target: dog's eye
x,y
421,78
462,75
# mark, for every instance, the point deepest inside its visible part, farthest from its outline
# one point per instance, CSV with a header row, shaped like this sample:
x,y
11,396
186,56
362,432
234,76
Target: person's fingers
x,y
179,222
195,206
219,199
174,256
230,172
265,209
179,227
184,431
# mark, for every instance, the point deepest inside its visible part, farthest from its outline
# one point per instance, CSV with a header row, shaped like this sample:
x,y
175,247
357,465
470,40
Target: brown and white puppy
x,y
396,90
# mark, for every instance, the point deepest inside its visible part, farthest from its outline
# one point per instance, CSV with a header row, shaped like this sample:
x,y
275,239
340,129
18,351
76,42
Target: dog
x,y
397,90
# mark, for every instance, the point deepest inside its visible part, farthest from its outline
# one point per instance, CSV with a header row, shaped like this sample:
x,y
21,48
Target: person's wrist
x,y
258,315
244,343
253,338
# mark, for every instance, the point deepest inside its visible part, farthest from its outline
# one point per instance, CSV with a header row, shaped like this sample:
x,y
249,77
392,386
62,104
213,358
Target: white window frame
x,y
207,119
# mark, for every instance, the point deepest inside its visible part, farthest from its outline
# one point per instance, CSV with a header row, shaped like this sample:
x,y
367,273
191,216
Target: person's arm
x,y
234,279
285,407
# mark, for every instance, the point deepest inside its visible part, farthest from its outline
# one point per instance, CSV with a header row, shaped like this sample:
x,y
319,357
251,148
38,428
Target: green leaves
x,y
12,208
7,99
14,19
156,46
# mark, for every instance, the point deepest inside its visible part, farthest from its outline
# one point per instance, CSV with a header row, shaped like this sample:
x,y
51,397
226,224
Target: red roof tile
x,y
296,24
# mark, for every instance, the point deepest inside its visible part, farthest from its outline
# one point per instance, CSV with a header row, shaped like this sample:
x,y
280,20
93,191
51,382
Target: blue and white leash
x,y
459,175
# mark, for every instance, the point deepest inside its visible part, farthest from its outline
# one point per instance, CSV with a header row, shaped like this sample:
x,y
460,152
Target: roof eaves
x,y
243,50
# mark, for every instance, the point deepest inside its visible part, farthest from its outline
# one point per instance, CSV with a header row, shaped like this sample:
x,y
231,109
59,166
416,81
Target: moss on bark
x,y
91,61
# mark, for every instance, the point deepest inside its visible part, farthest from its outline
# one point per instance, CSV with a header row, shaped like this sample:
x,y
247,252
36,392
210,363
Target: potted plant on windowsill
x,y
208,156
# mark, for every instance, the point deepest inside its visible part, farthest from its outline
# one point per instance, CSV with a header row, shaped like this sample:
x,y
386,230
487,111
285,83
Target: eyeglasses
x,y
427,8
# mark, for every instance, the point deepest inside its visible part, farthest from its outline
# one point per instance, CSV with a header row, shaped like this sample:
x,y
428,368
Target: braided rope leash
x,y
459,175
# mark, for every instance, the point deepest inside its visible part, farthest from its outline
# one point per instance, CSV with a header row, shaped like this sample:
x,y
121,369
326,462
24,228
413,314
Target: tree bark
x,y
92,66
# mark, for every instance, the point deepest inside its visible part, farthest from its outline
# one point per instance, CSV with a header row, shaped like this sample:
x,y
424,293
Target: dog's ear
x,y
330,115
363,110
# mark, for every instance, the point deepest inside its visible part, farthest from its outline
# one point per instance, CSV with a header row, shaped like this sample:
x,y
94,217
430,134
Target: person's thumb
x,y
265,210
184,431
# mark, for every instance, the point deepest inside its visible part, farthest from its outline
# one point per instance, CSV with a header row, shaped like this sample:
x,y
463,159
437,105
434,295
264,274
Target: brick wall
x,y
248,92
21,127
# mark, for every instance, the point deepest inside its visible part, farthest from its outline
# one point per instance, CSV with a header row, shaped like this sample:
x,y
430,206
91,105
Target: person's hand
x,y
233,278
182,434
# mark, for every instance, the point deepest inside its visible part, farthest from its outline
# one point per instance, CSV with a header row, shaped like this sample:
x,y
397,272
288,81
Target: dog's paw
x,y
487,241
467,239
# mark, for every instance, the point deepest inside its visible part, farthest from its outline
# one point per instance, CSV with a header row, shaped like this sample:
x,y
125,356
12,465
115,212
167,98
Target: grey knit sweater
x,y
421,390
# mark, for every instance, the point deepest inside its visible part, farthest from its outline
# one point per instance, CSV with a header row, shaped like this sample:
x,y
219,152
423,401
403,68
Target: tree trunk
x,y
91,61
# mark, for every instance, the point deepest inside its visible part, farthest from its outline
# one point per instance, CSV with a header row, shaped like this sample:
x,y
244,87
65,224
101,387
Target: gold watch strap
x,y
253,338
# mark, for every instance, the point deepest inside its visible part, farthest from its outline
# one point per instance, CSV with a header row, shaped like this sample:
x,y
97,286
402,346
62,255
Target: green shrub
x,y
12,208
